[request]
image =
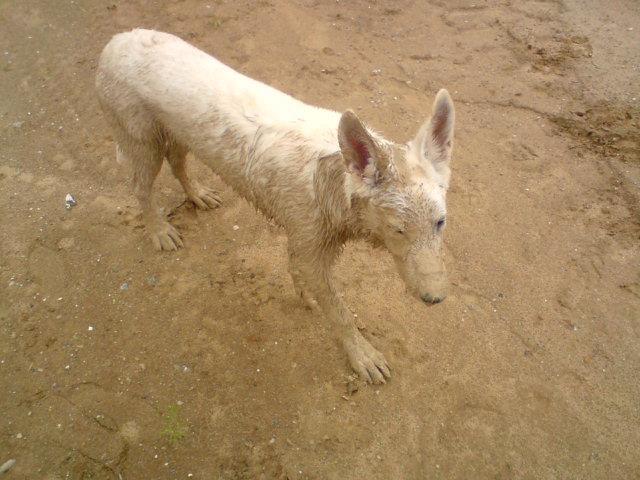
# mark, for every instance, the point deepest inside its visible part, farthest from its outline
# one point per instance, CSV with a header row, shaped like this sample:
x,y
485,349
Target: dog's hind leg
x,y
203,197
145,158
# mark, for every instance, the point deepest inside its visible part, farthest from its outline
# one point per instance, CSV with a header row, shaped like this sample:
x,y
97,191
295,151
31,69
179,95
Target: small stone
x,y
70,201
272,441
18,435
236,227
6,466
90,328
17,124
124,286
152,281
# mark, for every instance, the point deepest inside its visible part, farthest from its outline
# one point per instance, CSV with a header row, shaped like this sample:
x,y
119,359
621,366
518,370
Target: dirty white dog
x,y
323,176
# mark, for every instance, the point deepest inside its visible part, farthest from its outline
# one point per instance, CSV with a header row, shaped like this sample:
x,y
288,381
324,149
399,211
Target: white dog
x,y
324,177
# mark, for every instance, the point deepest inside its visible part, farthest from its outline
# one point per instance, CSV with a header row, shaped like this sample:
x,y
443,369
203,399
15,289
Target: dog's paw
x,y
205,198
367,362
165,237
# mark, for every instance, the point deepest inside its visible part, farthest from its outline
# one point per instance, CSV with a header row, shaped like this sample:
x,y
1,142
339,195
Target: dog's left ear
x,y
361,152
435,138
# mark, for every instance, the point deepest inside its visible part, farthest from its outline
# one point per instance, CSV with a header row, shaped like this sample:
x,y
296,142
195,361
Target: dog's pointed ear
x,y
435,138
361,152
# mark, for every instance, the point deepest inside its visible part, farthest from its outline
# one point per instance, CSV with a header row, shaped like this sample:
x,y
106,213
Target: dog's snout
x,y
431,299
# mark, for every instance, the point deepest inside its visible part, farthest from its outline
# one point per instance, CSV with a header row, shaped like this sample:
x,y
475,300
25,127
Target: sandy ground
x,y
118,362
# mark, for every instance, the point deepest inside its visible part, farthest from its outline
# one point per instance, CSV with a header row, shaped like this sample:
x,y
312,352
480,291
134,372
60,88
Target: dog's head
x,y
402,189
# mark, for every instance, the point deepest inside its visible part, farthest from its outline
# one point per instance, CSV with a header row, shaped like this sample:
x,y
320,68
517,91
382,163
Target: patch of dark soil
x,y
612,131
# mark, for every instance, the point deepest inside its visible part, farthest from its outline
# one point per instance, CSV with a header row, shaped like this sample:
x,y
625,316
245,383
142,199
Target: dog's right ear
x,y
361,152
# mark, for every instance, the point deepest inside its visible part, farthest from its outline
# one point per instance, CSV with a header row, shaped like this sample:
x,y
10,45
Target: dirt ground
x,y
118,362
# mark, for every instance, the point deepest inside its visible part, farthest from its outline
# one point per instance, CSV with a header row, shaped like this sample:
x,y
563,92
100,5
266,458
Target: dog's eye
x,y
440,224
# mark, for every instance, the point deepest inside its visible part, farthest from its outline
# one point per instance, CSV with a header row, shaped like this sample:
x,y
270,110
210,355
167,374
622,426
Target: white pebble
x,y
6,466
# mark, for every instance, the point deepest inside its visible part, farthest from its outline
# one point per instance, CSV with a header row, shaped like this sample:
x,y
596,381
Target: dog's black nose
x,y
427,298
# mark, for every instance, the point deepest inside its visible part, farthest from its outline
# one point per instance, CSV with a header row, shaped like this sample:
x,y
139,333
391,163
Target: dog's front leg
x,y
299,280
314,270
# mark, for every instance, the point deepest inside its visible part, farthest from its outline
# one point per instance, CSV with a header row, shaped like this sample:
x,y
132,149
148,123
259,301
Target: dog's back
x,y
164,97
182,87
